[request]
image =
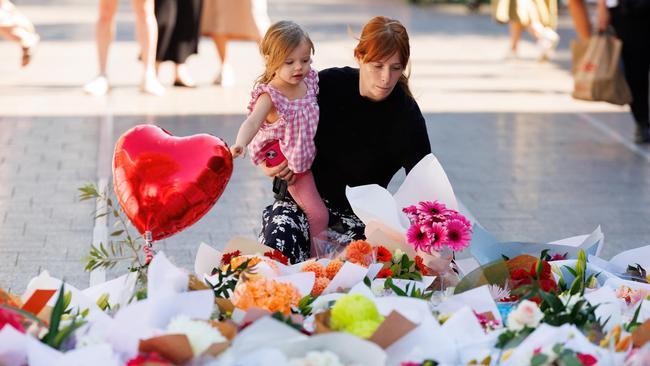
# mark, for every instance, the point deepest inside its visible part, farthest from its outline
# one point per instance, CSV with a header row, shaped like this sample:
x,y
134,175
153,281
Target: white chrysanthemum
x,y
498,293
200,334
316,358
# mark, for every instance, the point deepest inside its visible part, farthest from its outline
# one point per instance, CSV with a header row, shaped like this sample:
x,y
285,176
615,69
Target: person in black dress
x,y
370,127
178,35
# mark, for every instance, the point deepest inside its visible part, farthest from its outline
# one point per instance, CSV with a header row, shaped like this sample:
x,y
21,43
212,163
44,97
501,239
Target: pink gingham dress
x,y
295,128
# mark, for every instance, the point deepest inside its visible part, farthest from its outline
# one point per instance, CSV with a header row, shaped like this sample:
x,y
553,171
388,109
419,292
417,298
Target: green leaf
x,y
539,269
65,333
571,360
634,323
538,359
55,318
576,286
553,301
390,285
117,233
571,270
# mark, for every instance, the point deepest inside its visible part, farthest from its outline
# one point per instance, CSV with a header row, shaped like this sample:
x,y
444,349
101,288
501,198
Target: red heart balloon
x,y
166,183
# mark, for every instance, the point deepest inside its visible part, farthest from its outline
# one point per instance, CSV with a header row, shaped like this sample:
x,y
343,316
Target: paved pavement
x,y
528,161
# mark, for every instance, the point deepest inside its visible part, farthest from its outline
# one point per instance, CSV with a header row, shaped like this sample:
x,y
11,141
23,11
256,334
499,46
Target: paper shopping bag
x,y
598,76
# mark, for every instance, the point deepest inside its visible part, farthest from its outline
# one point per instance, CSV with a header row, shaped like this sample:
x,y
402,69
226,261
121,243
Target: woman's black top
x,y
360,141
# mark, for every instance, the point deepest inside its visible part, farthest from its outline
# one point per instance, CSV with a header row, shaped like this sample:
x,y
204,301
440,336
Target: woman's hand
x,y
281,171
237,150
602,16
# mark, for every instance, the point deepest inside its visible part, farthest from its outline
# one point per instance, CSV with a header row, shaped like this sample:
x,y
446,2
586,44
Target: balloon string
x,y
148,250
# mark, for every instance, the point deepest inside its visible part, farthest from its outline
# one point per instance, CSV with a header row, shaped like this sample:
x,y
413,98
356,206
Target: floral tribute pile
x,y
373,303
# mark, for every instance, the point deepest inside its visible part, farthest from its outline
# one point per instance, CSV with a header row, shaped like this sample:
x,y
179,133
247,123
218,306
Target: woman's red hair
x,y
382,37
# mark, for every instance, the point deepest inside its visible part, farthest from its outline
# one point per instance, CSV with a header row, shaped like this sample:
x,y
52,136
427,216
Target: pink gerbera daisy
x,y
437,237
458,235
434,208
418,237
453,215
411,212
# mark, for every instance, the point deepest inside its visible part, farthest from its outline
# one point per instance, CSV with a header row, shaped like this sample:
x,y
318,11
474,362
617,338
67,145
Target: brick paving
x,y
528,161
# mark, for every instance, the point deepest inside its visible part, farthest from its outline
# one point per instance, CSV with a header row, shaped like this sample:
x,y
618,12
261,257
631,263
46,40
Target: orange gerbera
x,y
333,268
383,254
315,267
266,294
360,252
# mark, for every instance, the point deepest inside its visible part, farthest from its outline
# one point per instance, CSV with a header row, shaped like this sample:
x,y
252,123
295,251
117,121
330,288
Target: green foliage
x,y
511,338
634,322
121,246
304,305
57,334
406,269
411,290
227,280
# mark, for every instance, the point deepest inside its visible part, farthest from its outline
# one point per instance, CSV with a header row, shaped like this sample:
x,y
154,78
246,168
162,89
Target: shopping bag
x,y
598,76
578,50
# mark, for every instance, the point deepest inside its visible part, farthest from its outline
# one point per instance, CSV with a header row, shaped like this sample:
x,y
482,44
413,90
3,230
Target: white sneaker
x,y
98,86
152,86
546,44
226,75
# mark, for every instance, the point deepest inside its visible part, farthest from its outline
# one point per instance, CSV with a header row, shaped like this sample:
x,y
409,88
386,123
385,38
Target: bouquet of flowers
x,y
434,227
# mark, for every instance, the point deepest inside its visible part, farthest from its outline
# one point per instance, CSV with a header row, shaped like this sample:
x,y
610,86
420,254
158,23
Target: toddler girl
x,y
284,112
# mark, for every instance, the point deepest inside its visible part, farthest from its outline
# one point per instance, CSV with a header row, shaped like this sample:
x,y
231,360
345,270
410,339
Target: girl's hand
x,y
237,150
281,171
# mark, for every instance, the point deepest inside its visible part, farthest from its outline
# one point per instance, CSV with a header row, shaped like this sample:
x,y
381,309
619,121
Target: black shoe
x,y
642,134
182,84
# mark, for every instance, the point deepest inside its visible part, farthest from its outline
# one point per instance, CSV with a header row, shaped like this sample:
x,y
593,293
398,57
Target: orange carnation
x,y
333,268
315,267
320,285
266,294
360,252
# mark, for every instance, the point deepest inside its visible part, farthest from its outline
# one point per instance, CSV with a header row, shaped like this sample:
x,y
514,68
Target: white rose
x,y
527,314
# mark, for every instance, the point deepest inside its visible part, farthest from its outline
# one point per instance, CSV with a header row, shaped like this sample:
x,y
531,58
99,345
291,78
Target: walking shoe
x,y
642,134
548,40
152,86
98,86
30,41
226,76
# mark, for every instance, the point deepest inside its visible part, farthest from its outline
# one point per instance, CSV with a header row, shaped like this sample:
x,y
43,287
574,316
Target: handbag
x,y
598,75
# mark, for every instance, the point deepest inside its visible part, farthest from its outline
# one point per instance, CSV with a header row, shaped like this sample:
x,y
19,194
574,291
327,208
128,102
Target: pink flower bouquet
x,y
435,227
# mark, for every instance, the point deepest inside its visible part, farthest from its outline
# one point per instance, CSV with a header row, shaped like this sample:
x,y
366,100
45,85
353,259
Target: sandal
x,y
28,52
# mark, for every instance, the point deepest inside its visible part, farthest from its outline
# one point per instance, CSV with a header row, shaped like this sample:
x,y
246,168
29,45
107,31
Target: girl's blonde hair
x,y
279,41
382,37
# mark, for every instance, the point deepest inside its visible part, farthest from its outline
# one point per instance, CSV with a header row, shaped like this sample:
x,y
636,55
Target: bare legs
x,y
225,76
147,35
578,11
546,38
